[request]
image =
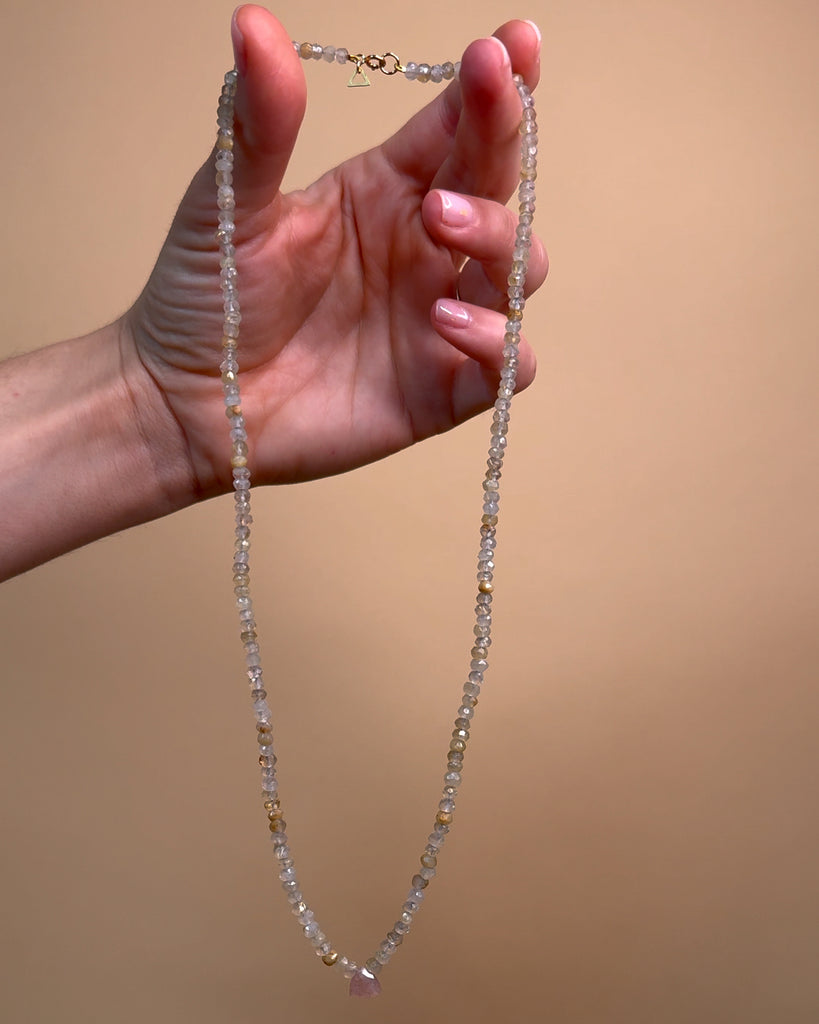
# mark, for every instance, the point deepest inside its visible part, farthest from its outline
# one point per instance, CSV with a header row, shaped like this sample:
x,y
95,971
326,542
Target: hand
x,y
345,351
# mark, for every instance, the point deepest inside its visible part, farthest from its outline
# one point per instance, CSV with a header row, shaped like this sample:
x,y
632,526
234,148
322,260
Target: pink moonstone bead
x,y
365,984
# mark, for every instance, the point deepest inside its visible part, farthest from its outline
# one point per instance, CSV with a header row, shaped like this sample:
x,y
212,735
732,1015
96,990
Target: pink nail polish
x,y
456,211
450,313
505,53
239,49
537,31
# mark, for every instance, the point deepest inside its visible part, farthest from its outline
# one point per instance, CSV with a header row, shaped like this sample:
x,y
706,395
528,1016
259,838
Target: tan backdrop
x,y
637,837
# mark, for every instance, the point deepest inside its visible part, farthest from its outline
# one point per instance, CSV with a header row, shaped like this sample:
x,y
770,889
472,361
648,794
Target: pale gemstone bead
x,y
342,55
411,71
329,53
424,72
448,70
436,73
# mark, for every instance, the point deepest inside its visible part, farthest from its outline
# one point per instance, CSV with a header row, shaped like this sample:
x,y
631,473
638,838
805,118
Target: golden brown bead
x,y
279,825
233,410
486,587
429,861
271,805
224,142
238,461
444,817
330,958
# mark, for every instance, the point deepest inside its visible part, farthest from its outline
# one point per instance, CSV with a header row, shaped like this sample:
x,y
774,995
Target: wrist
x,y
85,450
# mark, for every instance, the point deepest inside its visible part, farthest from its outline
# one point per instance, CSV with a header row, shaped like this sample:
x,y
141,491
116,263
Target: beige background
x,y
637,837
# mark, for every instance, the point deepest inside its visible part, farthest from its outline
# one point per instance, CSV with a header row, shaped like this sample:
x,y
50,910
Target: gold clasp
x,y
375,62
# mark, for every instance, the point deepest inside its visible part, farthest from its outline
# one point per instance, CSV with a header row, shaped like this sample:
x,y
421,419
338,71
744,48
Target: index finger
x,y
449,141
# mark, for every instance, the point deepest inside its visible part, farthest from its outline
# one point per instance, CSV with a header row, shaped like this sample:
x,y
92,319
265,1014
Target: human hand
x,y
342,360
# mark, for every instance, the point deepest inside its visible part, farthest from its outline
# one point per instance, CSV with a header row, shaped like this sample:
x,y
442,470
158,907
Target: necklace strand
x,y
363,979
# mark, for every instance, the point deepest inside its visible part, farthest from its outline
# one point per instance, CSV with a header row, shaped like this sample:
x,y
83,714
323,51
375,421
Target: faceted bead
x,y
365,984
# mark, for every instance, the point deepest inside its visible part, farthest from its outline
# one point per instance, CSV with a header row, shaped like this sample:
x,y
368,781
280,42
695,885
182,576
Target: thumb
x,y
271,98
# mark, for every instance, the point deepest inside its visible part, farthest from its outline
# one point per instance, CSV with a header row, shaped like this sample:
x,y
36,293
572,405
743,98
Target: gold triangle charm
x,y
359,79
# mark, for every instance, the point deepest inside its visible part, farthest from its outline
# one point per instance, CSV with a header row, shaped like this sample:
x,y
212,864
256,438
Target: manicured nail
x,y
239,50
506,62
450,313
456,211
537,32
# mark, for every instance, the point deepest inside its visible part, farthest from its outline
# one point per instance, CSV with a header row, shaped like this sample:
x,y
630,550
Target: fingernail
x,y
239,50
456,211
506,62
450,313
537,32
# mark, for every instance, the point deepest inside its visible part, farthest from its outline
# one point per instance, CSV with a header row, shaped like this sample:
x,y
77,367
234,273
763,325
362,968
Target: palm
x,y
340,362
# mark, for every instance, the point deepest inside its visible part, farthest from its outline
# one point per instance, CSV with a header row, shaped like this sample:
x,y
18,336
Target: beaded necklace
x,y
364,979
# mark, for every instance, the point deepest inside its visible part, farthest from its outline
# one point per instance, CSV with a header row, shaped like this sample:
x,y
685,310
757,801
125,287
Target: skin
x,y
352,345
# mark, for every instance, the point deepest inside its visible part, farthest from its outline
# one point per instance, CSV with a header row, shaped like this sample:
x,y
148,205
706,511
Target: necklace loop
x,y
364,980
